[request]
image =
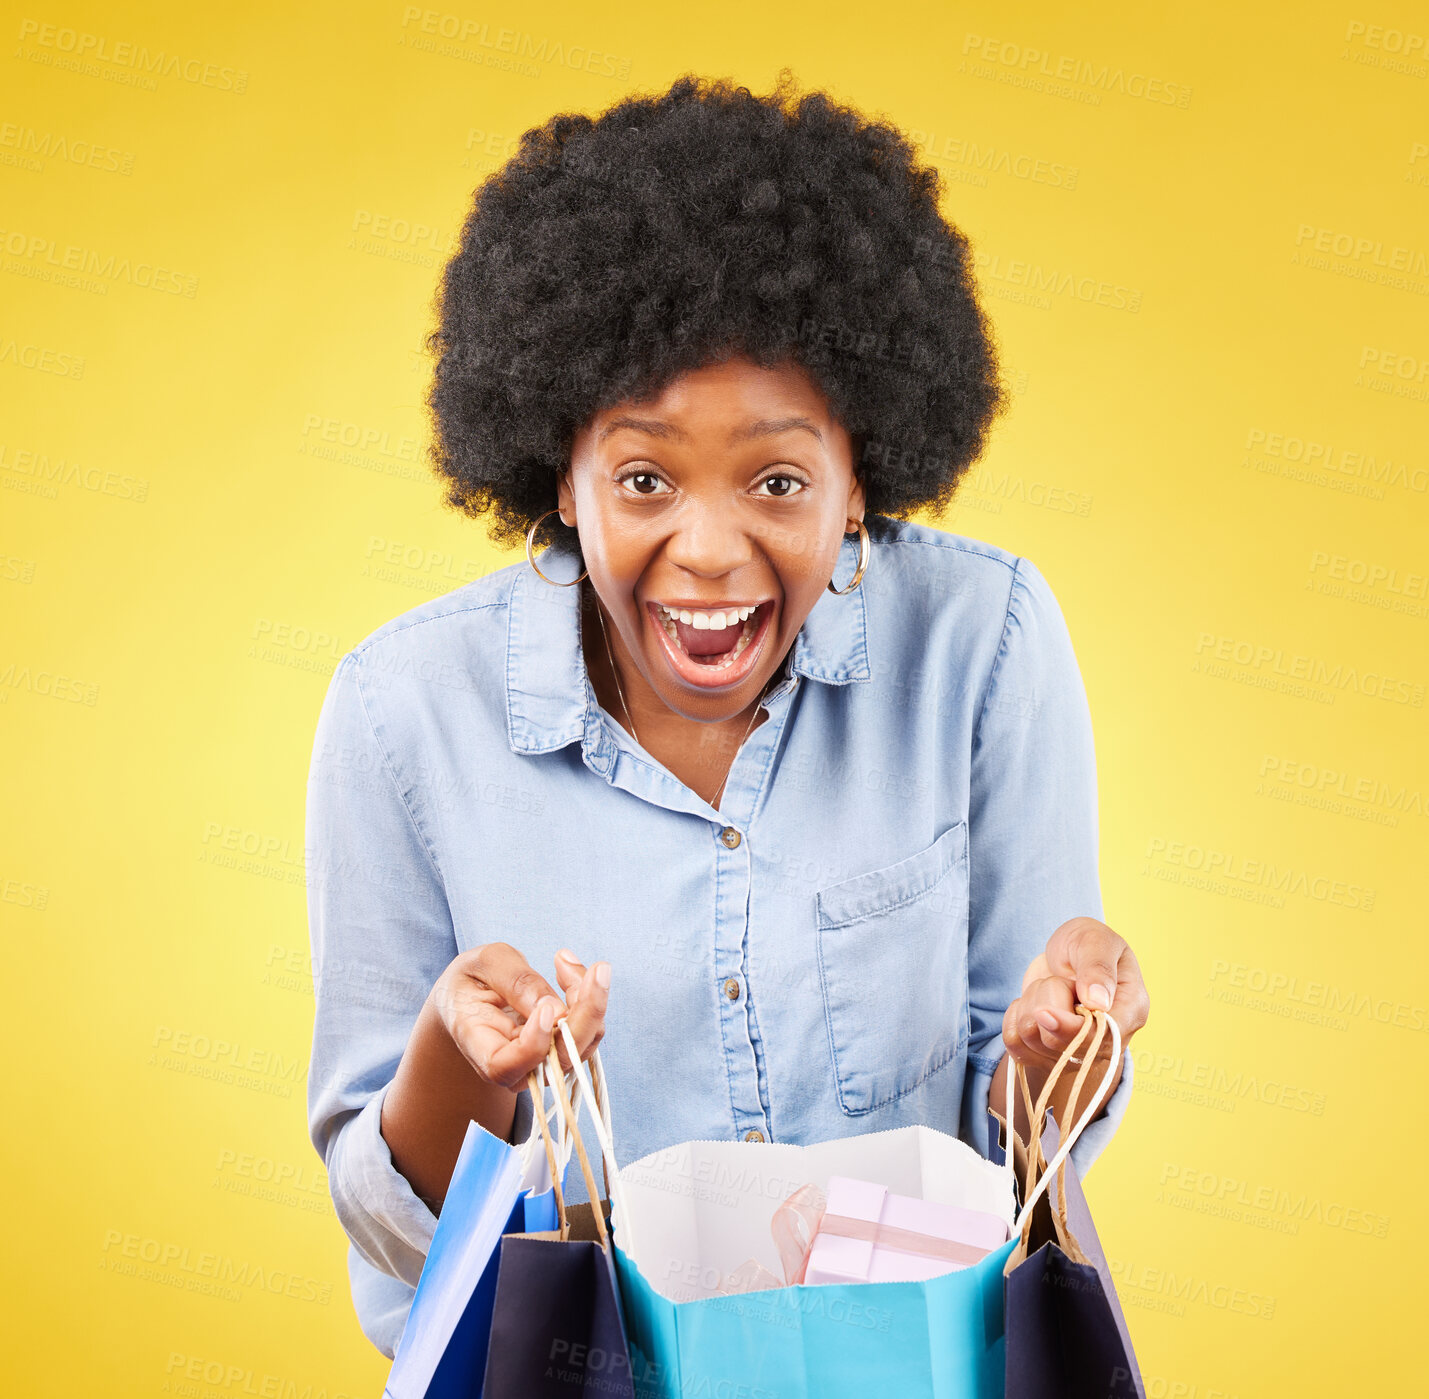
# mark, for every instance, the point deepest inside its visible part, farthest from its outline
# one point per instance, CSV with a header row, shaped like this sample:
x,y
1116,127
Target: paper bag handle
x,y
1017,1075
1012,1081
1069,1138
600,1120
536,1081
1034,1157
1070,1110
558,1079
1036,1113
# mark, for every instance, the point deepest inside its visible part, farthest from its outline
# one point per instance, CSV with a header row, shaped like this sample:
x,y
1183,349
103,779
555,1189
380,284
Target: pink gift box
x,y
868,1234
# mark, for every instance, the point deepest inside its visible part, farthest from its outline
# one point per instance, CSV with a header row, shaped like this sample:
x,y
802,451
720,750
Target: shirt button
x,y
730,836
731,989
755,1136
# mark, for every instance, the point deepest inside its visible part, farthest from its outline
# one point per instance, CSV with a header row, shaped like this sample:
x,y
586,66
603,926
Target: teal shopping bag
x,y
688,1217
685,1218
937,1339
940,1339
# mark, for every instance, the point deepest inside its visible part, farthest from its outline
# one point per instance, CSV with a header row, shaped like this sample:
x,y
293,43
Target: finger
x,y
586,1015
1047,1018
1057,1029
569,971
1133,1001
1087,952
500,1050
511,976
509,1064
1021,1051
1036,970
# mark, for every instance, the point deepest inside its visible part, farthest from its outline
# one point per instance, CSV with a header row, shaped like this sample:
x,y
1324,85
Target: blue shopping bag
x,y
442,1353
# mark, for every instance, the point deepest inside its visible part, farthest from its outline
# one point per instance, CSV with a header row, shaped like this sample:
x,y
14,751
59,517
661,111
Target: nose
x,y
709,541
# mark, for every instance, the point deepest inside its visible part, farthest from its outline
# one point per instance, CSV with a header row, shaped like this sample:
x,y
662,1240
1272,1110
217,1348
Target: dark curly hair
x,y
611,254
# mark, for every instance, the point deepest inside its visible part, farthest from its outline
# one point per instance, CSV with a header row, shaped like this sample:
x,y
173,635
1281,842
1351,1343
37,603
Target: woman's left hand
x,y
1087,963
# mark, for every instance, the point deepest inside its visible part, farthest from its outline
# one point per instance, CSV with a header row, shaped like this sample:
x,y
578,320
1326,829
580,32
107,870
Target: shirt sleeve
x,y
382,934
1032,837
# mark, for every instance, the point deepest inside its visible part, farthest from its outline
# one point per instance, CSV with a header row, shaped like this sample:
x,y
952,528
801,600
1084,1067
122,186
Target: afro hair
x,y
611,254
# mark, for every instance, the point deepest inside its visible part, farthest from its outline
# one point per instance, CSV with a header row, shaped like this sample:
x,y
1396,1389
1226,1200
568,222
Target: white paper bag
x,y
705,1207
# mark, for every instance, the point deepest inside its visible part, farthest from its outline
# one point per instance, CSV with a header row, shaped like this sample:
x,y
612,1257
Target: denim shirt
x,y
830,952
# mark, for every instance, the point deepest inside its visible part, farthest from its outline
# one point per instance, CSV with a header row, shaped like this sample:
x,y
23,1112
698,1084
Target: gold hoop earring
x,y
865,550
530,558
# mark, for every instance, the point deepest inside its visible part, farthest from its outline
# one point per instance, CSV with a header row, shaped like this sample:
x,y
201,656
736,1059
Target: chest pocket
x,y
892,949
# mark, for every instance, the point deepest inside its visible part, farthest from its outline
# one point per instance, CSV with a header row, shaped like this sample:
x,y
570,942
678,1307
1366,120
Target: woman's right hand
x,y
501,1013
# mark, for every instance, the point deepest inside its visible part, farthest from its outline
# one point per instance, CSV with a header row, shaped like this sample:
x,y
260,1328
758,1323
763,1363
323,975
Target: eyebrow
x,y
763,427
768,427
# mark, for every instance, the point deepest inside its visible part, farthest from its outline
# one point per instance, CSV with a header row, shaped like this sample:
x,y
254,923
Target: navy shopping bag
x,y
557,1329
1066,1336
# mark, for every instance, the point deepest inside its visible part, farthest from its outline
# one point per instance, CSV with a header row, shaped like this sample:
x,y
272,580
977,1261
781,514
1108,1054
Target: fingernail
x,y
1099,998
566,955
602,975
1047,1019
547,1017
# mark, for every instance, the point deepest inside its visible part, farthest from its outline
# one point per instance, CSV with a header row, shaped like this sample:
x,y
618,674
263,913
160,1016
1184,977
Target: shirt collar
x,y
548,697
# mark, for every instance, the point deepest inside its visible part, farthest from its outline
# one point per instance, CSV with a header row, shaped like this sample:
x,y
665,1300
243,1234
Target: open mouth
x,y
712,647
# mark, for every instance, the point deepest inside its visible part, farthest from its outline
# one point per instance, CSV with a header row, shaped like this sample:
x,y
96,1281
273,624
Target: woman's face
x,y
729,490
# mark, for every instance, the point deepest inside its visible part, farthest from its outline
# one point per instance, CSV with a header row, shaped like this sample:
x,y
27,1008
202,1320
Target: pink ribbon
x,y
901,1240
803,1215
794,1225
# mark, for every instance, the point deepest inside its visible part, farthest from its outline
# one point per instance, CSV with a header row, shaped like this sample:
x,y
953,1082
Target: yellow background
x,y
213,486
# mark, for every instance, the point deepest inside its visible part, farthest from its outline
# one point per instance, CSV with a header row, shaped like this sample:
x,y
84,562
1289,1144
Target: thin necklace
x,y
714,800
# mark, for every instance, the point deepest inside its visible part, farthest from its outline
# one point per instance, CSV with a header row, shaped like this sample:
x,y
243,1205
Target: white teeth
x,y
708,621
667,619
738,646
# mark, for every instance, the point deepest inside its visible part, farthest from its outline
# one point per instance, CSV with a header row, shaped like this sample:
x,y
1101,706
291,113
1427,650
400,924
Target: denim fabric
x,y
916,817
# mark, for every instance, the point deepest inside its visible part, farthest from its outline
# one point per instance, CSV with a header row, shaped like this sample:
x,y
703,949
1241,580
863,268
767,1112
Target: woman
x,y
809,789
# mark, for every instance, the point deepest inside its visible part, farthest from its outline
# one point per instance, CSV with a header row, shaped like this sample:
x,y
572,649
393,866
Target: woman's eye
x,y
643,482
784,485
